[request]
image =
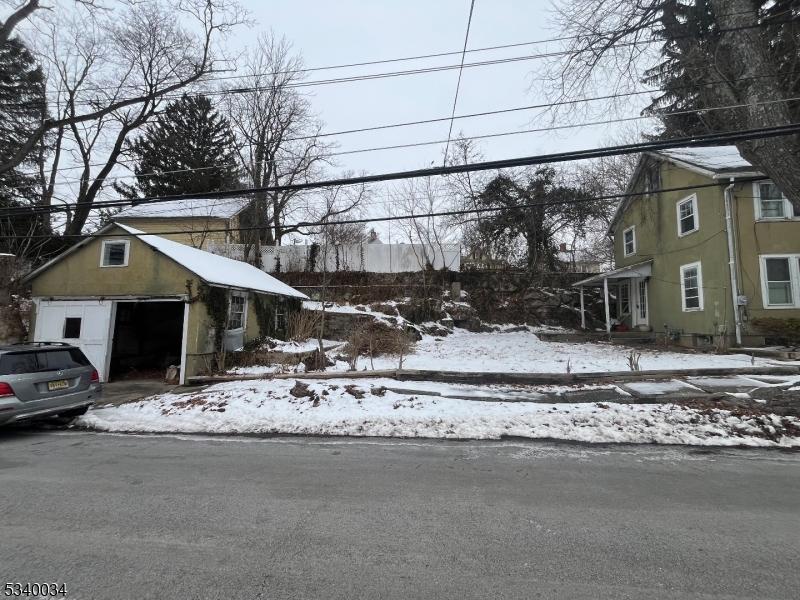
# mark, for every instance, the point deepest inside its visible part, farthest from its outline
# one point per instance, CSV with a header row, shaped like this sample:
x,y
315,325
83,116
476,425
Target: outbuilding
x,y
138,303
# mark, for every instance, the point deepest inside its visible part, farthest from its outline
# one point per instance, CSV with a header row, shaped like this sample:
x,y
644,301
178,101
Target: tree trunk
x,y
746,57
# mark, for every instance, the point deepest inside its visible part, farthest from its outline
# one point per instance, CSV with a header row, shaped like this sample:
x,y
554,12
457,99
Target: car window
x,y
18,362
57,360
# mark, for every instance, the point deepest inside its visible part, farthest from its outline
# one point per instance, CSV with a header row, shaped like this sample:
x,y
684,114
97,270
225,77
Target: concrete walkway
x,y
122,392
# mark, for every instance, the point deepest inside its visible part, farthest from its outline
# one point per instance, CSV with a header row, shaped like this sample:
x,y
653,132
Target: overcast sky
x,y
347,31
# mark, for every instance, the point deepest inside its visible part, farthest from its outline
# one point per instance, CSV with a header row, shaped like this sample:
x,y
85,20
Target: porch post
x,y
608,309
583,311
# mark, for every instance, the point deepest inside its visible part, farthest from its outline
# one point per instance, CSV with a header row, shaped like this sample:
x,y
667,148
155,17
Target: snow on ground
x,y
523,351
347,407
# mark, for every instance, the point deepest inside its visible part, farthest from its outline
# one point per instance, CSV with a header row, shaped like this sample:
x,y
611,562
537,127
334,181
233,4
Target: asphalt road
x,y
118,517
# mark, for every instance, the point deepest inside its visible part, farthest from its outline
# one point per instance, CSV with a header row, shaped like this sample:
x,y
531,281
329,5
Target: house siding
x,y
148,274
191,231
655,219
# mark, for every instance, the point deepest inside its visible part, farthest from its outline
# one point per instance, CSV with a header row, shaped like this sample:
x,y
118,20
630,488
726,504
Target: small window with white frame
x,y
780,280
771,203
115,253
692,287
688,218
629,241
237,310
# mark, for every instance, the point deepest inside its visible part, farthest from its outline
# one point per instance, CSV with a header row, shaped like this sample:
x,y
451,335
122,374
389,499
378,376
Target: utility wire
x,y
372,76
472,137
432,214
439,119
458,83
570,156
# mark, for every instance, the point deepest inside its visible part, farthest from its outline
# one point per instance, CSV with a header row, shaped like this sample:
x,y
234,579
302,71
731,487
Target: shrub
x,y
373,339
302,325
782,331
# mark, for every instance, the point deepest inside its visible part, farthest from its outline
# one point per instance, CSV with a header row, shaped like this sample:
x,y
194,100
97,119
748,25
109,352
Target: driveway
x,y
132,390
118,517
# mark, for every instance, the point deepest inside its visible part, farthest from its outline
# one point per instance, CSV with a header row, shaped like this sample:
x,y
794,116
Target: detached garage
x,y
138,303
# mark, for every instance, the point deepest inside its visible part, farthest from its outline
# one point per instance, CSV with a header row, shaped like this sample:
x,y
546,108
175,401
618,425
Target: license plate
x,y
61,384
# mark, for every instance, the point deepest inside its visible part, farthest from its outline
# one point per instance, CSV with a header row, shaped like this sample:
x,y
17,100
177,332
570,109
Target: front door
x,y
642,310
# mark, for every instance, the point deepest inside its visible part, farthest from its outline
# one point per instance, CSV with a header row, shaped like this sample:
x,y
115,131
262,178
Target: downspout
x,y
732,262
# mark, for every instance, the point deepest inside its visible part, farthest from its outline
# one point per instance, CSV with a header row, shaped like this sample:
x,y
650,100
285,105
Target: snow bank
x,y
353,408
523,351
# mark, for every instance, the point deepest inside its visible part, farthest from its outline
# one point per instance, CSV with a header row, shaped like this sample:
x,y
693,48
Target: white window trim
x,y
696,212
788,209
625,252
244,310
794,274
684,268
103,253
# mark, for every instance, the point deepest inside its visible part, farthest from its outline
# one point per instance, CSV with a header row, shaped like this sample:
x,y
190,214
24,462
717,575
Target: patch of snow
x,y
658,388
714,158
335,408
214,269
214,208
523,351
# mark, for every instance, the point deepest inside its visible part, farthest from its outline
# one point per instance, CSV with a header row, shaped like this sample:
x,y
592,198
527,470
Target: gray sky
x,y
346,31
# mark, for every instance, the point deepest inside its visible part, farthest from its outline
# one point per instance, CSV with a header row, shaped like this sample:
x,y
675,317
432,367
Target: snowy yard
x,y
523,351
367,408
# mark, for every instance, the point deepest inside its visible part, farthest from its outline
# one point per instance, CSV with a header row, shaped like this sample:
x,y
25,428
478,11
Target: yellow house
x,y
705,246
196,222
135,302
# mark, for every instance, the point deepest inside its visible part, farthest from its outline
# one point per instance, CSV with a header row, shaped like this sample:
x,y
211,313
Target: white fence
x,y
370,258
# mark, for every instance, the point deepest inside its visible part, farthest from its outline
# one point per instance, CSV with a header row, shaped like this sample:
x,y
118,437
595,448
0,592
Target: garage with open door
x,y
147,339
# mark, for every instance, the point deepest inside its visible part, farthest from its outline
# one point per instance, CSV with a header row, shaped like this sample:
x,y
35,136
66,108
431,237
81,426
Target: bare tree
x,y
277,136
120,84
143,52
710,53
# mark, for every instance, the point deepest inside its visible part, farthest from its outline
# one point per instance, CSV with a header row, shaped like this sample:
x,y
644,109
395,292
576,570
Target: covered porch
x,y
625,296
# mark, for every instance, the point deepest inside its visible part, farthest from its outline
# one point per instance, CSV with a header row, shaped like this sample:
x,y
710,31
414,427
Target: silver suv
x,y
41,379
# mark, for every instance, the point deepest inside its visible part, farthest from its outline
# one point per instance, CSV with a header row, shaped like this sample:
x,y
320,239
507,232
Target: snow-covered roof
x,y
711,159
215,269
217,208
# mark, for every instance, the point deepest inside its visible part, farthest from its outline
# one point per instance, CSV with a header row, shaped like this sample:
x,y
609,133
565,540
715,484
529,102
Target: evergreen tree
x,y
188,149
22,107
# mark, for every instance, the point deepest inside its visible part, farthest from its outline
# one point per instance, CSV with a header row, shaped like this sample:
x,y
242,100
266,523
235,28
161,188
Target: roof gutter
x,y
732,261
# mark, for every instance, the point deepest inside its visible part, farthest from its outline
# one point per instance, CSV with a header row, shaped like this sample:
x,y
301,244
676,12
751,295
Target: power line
x,y
433,142
569,156
458,83
372,76
440,119
432,214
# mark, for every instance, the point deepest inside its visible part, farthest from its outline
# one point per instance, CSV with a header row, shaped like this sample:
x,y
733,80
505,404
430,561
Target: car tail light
x,y
95,377
5,390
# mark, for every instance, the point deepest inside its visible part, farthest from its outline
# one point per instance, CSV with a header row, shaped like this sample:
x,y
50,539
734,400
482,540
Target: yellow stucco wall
x,y
192,231
149,273
655,219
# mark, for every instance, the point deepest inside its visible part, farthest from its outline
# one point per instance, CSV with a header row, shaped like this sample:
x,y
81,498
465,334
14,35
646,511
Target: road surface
x,y
134,517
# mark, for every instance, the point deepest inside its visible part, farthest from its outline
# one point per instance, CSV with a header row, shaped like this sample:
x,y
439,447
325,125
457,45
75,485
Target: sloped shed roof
x,y
215,208
211,268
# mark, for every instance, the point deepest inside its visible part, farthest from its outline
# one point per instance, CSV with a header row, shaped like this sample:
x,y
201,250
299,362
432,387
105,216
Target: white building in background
x,y
369,257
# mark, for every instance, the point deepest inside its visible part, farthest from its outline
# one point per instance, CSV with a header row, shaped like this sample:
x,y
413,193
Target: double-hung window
x,y
236,310
629,240
771,203
115,253
780,280
692,287
688,219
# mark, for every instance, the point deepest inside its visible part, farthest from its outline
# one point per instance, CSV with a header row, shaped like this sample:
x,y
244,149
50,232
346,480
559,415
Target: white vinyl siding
x,y
629,241
780,280
770,203
692,287
688,217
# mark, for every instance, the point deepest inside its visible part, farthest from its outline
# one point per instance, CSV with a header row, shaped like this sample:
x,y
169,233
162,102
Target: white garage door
x,y
84,323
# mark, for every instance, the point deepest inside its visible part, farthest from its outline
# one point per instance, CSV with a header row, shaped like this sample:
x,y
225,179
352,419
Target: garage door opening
x,y
147,339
